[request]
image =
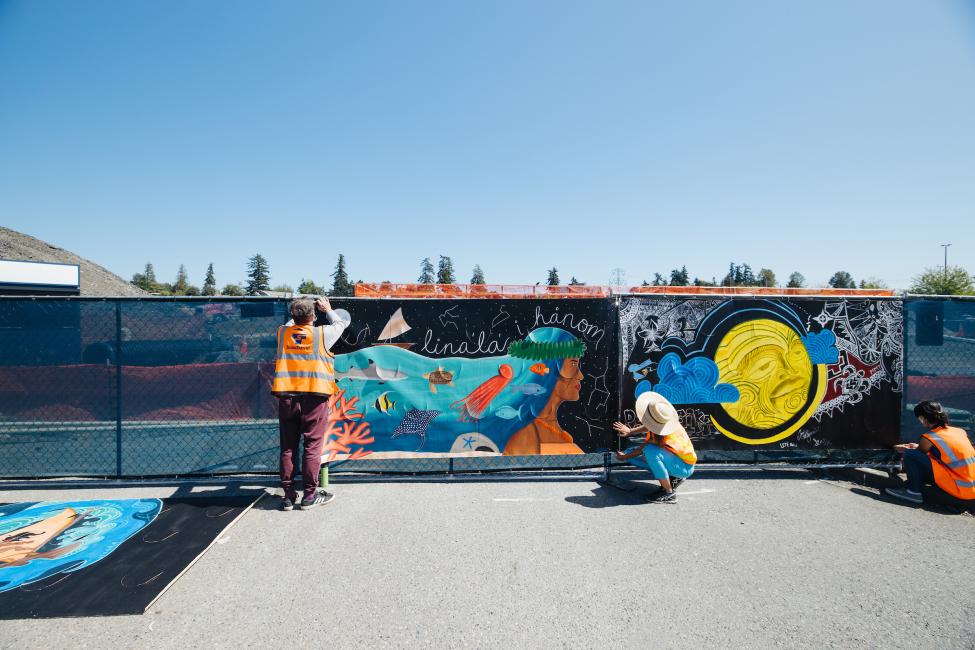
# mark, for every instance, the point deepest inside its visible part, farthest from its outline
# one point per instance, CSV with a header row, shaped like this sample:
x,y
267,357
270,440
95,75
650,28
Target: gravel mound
x,y
95,280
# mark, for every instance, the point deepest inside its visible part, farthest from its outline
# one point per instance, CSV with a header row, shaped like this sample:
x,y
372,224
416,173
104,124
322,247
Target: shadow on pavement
x,y
606,496
937,508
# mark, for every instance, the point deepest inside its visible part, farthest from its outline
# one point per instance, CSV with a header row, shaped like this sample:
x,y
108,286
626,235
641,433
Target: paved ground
x,y
753,559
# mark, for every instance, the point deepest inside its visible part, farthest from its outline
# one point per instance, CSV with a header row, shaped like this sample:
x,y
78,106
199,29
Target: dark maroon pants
x,y
302,417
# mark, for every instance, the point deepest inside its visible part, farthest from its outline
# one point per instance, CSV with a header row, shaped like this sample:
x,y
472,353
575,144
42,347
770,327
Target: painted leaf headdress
x,y
542,351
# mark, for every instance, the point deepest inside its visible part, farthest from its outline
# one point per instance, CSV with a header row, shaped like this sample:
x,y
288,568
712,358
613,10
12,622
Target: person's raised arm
x,y
336,324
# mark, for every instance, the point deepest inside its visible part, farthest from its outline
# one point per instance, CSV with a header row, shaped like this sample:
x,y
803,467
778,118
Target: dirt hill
x,y
95,280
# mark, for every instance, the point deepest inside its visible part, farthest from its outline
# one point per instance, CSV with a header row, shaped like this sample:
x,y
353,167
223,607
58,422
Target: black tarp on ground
x,y
103,558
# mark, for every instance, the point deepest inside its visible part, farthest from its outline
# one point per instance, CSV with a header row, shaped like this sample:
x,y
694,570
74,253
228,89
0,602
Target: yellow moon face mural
x,y
779,385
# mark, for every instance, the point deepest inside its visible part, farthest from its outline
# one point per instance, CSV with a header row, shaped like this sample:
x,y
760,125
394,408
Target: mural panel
x,y
468,378
789,373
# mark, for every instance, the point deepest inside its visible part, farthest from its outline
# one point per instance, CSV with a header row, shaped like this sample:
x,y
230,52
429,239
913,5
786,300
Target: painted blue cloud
x,y
694,382
821,347
641,370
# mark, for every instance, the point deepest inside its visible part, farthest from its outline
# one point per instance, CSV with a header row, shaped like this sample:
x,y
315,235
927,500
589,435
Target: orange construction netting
x,y
763,291
392,290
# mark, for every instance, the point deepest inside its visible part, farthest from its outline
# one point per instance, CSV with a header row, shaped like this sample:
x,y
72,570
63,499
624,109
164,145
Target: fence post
x,y
905,340
118,389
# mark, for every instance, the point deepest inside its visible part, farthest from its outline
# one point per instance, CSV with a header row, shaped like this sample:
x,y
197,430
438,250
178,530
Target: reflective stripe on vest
x,y
303,372
954,470
944,448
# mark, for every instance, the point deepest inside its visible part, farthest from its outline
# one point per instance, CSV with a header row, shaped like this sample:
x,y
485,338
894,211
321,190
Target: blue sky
x,y
808,136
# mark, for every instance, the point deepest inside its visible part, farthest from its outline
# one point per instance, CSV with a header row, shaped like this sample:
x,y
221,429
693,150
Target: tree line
x,y
950,280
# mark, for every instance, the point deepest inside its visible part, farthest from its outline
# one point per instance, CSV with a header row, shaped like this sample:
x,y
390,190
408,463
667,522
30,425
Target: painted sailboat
x,y
397,326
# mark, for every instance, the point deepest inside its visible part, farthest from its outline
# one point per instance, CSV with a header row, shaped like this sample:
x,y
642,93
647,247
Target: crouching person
x,y
666,452
944,458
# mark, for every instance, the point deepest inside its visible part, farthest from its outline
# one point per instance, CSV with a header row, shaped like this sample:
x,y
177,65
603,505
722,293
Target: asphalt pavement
x,y
752,559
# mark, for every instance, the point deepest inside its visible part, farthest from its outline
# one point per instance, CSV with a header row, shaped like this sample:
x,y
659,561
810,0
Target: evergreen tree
x,y
842,280
426,272
309,288
232,290
340,280
553,277
182,281
445,271
575,283
477,277
679,277
258,275
644,284
658,280
747,276
210,282
148,278
796,280
733,277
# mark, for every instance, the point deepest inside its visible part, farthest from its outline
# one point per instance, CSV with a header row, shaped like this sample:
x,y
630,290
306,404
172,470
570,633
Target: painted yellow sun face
x,y
767,361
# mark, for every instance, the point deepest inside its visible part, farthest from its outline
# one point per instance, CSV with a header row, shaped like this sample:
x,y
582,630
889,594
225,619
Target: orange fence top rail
x,y
393,290
763,291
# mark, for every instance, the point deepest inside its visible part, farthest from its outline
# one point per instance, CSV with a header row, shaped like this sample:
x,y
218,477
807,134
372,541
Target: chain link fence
x,y
171,387
939,360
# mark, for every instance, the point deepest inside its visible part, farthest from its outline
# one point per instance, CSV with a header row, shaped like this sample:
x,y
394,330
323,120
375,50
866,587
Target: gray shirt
x,y
336,325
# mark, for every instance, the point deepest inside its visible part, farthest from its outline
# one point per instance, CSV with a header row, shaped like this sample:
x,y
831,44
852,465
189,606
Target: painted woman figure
x,y
560,353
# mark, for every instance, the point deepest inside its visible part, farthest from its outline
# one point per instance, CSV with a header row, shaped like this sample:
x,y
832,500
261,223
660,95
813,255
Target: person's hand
x,y
621,429
620,455
322,304
904,447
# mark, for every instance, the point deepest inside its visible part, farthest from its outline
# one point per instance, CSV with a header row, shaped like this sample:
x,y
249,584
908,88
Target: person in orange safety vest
x,y
304,380
944,457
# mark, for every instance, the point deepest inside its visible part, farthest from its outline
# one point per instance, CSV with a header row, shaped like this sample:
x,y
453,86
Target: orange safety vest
x,y
303,364
677,443
954,472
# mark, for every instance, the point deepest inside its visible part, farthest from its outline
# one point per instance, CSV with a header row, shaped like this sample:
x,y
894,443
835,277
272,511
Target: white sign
x,y
40,274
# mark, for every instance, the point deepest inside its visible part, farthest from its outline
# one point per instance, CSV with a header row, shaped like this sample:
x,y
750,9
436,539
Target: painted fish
x,y
415,423
372,372
508,412
528,389
439,377
539,368
383,404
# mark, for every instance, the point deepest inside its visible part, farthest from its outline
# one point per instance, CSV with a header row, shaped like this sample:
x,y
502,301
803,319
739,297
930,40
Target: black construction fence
x,y
163,387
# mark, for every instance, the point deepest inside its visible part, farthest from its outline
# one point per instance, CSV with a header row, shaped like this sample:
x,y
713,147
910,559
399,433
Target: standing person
x,y
304,379
667,452
944,457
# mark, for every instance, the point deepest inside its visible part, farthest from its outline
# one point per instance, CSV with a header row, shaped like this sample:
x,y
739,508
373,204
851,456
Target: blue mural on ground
x,y
40,540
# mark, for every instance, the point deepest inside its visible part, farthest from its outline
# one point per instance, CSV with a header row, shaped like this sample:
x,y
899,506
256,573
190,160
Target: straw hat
x,y
657,414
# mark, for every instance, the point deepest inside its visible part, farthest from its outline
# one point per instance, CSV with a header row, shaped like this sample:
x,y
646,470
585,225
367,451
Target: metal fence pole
x,y
118,388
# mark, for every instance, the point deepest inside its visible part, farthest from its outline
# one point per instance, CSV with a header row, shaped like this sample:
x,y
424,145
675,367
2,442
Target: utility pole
x,y
617,277
945,246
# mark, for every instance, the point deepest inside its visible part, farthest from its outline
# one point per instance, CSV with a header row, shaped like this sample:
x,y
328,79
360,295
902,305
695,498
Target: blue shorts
x,y
662,463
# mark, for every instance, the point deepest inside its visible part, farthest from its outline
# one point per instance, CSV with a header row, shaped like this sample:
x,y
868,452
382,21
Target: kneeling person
x,y
667,452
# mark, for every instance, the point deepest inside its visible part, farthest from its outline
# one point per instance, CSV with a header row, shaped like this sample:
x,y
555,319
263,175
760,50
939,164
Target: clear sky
x,y
809,136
